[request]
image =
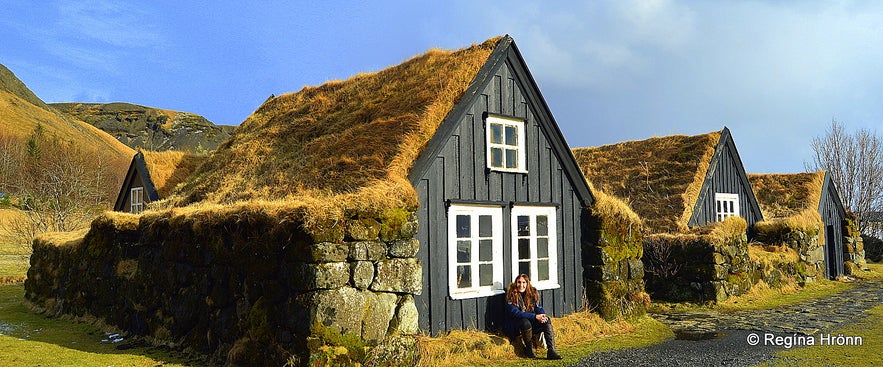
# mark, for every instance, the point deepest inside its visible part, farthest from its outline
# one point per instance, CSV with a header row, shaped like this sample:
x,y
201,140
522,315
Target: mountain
x,y
150,128
21,111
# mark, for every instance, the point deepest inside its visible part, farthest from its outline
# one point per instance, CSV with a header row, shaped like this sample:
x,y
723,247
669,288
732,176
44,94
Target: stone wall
x,y
853,249
246,287
696,268
614,273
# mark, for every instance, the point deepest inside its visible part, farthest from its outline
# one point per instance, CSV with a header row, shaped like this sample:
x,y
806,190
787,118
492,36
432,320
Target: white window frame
x,y
519,147
476,290
552,236
136,200
726,205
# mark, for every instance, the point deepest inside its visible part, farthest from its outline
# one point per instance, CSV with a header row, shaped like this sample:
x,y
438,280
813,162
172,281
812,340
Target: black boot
x,y
527,339
549,334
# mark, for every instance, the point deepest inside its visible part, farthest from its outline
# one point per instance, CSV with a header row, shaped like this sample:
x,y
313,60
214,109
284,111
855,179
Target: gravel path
x,y
733,331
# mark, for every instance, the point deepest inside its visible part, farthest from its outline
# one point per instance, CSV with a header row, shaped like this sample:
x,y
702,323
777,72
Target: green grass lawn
x,y
29,339
869,328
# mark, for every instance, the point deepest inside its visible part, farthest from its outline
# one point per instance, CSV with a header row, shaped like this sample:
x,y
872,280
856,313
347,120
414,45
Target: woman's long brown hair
x,y
531,296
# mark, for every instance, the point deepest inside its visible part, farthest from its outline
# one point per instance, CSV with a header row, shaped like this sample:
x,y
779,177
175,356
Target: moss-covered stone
x,y
362,229
367,251
404,248
398,275
362,274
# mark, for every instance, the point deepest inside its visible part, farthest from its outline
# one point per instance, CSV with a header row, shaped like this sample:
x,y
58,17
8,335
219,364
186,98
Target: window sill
x,y
546,286
524,171
477,294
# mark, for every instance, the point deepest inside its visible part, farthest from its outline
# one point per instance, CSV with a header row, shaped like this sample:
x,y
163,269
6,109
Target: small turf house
x,y
675,182
152,176
463,138
786,195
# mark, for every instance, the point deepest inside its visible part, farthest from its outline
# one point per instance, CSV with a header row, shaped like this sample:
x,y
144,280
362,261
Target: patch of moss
x,y
392,221
328,346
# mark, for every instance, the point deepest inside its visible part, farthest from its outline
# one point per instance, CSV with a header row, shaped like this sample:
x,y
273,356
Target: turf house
x,y
694,197
152,176
804,211
393,202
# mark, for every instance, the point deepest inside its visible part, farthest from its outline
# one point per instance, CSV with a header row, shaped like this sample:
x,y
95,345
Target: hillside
x,y
21,111
150,128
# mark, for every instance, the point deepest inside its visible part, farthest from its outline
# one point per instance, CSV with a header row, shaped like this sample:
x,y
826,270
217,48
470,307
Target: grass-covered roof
x,y
660,177
169,168
783,195
350,141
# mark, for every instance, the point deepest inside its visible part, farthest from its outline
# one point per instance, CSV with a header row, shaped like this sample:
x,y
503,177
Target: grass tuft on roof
x,y
783,195
659,178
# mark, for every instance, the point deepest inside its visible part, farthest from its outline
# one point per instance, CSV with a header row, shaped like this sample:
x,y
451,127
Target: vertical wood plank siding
x,y
459,173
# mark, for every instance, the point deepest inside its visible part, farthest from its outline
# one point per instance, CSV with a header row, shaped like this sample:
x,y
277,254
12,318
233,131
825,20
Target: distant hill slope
x,y
21,110
150,128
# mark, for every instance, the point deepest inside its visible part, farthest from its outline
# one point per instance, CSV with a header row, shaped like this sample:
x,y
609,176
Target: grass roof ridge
x,y
355,138
659,177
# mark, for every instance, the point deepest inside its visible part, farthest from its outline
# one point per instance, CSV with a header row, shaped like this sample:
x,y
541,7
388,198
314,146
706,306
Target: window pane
x,y
524,248
486,250
464,229
543,270
464,276
542,247
464,251
485,226
511,135
523,225
485,274
511,158
718,206
524,268
496,157
542,225
496,134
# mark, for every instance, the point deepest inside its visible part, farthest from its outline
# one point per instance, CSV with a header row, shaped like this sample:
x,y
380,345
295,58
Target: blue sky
x,y
774,72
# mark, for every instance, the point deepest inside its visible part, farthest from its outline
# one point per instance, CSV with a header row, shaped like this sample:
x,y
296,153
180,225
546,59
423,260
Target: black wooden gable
x,y
137,175
525,90
833,216
453,170
726,174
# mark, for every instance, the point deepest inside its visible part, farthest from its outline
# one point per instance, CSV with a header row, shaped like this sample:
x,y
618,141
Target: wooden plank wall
x,y
725,179
459,173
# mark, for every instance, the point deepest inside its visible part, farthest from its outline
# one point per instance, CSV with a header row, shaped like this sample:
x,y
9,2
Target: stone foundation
x,y
245,287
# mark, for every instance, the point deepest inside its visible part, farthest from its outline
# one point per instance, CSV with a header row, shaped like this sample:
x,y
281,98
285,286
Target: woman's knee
x,y
524,324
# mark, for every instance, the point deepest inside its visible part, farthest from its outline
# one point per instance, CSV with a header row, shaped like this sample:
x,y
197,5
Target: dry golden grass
x,y
784,195
659,178
169,168
609,206
770,255
346,144
19,118
471,347
731,230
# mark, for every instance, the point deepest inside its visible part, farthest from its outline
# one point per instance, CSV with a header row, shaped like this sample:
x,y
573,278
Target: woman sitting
x,y
524,317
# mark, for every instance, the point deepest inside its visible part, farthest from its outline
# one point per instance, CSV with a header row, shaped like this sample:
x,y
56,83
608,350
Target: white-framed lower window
x,y
505,144
475,251
534,244
727,205
136,195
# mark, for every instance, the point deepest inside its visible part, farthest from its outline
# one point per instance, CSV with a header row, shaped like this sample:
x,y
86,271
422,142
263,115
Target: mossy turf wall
x,y
246,287
696,268
614,273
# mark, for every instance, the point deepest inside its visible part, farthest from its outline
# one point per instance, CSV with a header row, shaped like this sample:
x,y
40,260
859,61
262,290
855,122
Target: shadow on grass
x,y
25,330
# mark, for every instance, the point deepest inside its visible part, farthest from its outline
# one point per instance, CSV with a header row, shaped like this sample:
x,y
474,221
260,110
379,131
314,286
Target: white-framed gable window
x,y
136,202
727,205
475,251
534,245
505,144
